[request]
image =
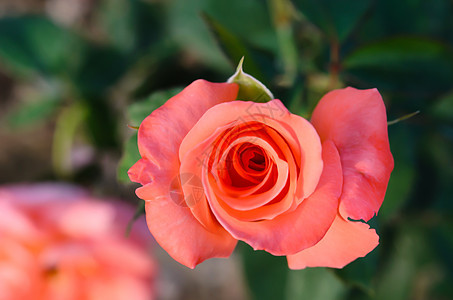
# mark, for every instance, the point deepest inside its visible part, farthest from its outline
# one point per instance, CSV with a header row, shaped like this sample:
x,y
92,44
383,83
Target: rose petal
x,y
276,116
176,229
161,133
355,120
193,163
311,146
256,201
142,171
159,139
86,219
134,261
344,242
302,228
14,223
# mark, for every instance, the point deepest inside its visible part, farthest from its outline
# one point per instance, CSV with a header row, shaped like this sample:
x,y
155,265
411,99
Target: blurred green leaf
x,y
266,274
402,179
137,112
439,150
101,121
443,108
422,17
35,44
186,28
411,262
314,284
409,64
236,15
100,68
118,20
282,14
231,45
336,18
68,123
443,244
130,157
128,22
32,112
361,272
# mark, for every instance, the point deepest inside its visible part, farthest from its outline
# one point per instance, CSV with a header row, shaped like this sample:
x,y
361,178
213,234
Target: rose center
x,y
253,159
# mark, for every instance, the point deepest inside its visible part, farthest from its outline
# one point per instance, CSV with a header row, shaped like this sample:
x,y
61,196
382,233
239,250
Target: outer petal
x,y
175,228
355,120
299,229
344,242
161,133
159,139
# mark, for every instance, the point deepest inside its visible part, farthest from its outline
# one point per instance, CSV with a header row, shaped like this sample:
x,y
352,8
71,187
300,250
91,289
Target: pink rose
x,y
57,243
215,171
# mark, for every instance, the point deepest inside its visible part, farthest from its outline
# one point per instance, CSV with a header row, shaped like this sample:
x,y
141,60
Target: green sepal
x,y
250,88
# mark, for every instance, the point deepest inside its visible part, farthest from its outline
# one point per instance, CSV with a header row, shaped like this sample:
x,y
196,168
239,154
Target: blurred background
x,y
75,73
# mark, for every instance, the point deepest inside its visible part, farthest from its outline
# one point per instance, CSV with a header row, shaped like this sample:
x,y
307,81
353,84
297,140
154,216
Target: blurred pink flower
x,y
57,242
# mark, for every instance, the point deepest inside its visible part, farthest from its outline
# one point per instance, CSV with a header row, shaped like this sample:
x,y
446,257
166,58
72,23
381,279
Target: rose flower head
x,y
216,169
57,242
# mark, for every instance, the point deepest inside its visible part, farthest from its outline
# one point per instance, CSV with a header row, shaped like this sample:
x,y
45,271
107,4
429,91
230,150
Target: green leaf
x,y
411,262
439,148
408,64
33,112
442,241
266,274
30,44
68,123
236,16
421,17
250,89
189,32
100,68
138,111
282,14
443,109
314,284
130,157
361,272
233,47
100,122
248,21
336,18
128,22
402,179
117,18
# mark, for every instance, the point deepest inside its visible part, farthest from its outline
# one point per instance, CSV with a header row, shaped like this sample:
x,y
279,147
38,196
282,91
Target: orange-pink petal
x,y
355,120
293,231
161,133
298,136
344,242
159,138
176,229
